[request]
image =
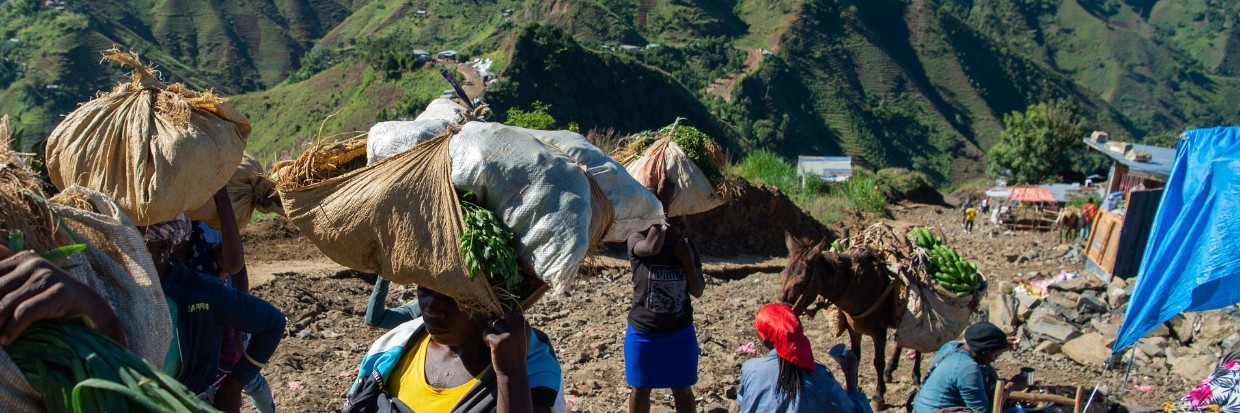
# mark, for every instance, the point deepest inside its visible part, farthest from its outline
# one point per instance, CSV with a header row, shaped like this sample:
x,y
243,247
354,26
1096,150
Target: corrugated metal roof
x,y
1159,164
1032,194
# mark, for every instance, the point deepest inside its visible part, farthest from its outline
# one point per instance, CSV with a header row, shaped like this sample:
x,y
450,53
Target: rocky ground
x,y
326,338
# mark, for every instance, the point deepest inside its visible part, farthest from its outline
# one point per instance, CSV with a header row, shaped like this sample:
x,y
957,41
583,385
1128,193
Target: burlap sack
x,y
400,218
119,267
249,190
156,149
933,316
554,209
694,192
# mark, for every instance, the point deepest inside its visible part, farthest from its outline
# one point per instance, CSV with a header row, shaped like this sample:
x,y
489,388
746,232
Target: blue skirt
x,y
661,361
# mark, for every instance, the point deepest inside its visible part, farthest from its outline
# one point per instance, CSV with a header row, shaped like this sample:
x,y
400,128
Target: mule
x,y
857,284
1069,224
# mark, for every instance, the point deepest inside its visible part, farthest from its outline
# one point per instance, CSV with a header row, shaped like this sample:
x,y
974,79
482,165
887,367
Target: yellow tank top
x,y
408,383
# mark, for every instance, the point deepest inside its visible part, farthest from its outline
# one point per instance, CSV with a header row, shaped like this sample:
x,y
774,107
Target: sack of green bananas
x,y
945,266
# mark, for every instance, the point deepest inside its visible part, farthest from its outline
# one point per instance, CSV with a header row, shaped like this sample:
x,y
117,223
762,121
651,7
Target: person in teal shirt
x,y
960,374
377,313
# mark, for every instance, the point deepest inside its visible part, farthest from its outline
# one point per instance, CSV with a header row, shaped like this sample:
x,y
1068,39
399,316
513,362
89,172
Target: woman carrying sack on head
x,y
788,379
660,345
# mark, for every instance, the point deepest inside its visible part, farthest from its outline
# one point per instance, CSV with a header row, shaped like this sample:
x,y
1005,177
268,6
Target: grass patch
x,y
263,216
825,201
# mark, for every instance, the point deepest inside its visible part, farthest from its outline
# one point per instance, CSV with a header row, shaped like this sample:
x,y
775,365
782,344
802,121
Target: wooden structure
x,y
1117,238
1036,209
1000,397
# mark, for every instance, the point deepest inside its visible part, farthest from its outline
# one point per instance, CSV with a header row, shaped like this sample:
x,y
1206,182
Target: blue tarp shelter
x,y
1191,263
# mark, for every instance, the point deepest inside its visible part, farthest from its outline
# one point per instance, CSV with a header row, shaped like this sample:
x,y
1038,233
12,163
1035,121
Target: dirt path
x,y
325,305
723,86
473,83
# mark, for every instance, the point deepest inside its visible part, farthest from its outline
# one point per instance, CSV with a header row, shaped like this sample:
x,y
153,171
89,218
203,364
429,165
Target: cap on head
x,y
985,336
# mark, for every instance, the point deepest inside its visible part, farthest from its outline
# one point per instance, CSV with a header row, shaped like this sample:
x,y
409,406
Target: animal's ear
x,y
821,245
792,242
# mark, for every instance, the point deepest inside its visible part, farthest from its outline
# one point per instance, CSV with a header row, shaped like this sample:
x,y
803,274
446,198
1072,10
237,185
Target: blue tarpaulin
x,y
1192,260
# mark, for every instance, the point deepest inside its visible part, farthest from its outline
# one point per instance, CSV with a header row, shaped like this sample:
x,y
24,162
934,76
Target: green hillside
x,y
921,84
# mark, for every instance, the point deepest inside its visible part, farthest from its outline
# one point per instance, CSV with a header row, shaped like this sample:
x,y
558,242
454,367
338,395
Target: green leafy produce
x,y
486,247
77,369
698,146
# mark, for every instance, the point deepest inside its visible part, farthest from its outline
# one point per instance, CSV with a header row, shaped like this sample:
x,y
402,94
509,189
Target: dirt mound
x,y
753,223
277,239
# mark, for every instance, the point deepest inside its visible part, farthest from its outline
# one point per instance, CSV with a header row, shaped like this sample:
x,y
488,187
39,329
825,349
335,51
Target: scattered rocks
x,y
1088,349
1080,283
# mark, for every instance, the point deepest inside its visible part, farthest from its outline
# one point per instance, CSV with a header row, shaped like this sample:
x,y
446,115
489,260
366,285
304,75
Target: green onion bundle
x,y
486,247
77,369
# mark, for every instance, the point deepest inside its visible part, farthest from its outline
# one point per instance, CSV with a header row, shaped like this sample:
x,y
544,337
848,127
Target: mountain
x,y
922,84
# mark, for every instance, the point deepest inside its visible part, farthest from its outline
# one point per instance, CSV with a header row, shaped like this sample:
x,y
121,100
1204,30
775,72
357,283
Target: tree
x,y
1034,143
537,118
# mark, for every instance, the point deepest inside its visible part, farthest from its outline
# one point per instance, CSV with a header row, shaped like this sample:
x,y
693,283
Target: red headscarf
x,y
776,323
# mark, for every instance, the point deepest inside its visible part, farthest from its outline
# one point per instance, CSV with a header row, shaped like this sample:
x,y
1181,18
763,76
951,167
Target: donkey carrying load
x,y
880,281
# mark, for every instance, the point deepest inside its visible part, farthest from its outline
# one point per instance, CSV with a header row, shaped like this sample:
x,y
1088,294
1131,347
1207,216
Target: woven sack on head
x,y
635,207
537,191
249,190
400,218
694,191
534,189
119,267
156,149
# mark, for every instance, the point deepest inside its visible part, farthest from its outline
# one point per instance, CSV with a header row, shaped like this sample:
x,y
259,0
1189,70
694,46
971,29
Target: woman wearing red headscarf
x,y
788,379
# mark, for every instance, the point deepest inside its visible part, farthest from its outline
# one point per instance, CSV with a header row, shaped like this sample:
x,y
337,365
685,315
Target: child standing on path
x,y
660,345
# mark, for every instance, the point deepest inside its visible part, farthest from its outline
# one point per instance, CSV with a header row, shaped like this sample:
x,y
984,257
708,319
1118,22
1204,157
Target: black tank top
x,y
661,301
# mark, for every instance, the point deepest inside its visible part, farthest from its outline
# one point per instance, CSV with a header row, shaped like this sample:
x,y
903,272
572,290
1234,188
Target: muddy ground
x,y
325,305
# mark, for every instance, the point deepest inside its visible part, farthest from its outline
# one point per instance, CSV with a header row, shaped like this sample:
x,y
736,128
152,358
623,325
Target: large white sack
x,y
635,206
694,192
538,192
390,138
442,109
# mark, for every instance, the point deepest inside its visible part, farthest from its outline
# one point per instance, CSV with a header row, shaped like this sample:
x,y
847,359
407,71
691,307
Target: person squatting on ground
x,y
788,379
960,374
660,344
221,253
377,313
449,360
201,308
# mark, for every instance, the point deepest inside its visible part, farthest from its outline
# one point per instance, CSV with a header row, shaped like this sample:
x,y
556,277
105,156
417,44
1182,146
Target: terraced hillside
x,y
913,83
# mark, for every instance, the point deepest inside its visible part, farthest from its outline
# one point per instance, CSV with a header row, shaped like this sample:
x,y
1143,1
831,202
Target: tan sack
x,y
694,191
117,266
249,190
399,217
156,149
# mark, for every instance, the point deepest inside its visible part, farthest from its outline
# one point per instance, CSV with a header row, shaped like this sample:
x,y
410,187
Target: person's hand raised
x,y
509,339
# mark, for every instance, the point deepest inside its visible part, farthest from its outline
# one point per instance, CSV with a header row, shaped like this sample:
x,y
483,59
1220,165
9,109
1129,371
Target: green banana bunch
x,y
924,239
954,273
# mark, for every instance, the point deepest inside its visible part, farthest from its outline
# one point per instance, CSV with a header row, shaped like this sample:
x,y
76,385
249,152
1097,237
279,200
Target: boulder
x,y
1194,368
1153,346
1002,314
1051,328
1215,326
1025,304
1108,330
1089,302
1049,347
1080,283
1183,326
1117,297
1089,349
